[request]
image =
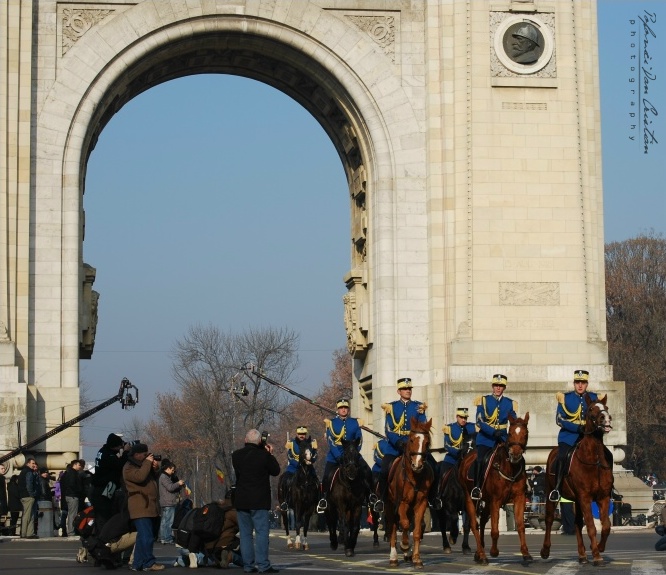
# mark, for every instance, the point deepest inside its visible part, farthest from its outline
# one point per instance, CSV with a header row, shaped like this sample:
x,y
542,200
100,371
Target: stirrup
x,y
284,506
372,499
554,496
476,493
436,503
322,505
378,507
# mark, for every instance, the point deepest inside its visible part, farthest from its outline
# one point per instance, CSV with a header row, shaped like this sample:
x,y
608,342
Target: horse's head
x,y
418,444
306,453
598,418
350,456
516,442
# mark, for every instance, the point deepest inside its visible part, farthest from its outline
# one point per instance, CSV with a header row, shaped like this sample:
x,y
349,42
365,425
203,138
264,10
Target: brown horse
x,y
409,481
590,478
504,482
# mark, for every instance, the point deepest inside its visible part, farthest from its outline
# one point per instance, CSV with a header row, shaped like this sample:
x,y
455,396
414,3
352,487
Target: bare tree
x,y
636,328
206,420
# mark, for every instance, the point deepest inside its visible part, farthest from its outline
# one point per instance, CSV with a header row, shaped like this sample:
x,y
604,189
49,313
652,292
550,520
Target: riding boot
x,y
476,494
554,495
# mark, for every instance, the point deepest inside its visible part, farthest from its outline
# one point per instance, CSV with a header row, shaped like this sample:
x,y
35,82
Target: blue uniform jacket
x,y
293,453
454,436
338,429
570,415
492,415
398,421
378,454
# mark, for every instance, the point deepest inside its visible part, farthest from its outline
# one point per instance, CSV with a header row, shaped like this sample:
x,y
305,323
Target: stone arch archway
x,y
325,83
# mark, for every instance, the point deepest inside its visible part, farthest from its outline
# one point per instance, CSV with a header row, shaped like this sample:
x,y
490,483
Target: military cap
x,y
342,402
301,429
462,412
405,383
581,375
499,379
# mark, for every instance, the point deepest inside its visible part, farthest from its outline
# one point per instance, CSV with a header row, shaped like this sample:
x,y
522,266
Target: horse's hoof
x,y
349,552
297,545
545,553
334,546
290,545
447,550
306,547
583,560
527,558
598,562
418,564
393,563
453,540
467,550
375,544
494,553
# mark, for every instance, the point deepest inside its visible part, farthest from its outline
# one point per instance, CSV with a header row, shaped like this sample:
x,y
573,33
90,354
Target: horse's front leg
x,y
354,526
332,524
419,512
480,554
285,522
306,522
604,508
443,520
519,513
580,519
550,515
494,527
392,530
403,517
597,559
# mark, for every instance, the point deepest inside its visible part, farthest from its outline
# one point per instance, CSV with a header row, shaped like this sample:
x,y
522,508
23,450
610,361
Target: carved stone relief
x,y
89,315
355,305
76,22
529,293
522,45
381,29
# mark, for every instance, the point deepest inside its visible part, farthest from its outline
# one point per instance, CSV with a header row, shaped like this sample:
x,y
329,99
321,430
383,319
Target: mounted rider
x,y
570,417
397,426
293,458
456,436
341,427
492,423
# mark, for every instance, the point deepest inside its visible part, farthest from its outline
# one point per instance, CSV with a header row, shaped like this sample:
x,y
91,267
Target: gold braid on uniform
x,y
573,416
455,443
490,419
336,436
422,408
388,408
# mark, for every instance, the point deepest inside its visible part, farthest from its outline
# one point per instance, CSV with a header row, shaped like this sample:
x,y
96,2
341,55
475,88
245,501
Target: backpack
x,y
100,552
181,510
84,522
183,534
208,522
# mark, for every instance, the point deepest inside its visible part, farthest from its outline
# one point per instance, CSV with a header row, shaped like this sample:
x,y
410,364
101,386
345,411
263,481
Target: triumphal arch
x,y
469,132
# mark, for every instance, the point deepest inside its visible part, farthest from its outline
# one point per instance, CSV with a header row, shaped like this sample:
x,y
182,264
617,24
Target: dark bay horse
x,y
589,478
346,495
409,481
300,492
504,482
453,497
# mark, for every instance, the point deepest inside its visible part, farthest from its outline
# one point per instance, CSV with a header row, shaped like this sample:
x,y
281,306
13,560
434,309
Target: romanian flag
x,y
220,474
187,490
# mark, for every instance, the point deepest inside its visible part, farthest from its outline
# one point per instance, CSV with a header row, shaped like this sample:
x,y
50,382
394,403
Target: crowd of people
x,y
136,497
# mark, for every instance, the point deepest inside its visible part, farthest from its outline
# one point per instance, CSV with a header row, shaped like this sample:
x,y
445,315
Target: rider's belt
x,y
401,431
502,426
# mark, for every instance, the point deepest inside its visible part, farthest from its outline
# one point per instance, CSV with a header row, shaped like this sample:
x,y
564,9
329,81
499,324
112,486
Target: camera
x,y
157,457
135,442
264,438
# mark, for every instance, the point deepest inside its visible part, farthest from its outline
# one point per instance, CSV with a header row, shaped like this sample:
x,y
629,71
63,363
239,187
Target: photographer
x,y
170,487
140,474
254,465
107,480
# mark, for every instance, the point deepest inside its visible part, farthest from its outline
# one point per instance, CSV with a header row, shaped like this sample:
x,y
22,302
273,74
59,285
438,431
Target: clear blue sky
x,y
217,199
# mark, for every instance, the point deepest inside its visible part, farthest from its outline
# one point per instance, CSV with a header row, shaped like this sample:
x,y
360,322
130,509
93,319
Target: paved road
x,y
629,552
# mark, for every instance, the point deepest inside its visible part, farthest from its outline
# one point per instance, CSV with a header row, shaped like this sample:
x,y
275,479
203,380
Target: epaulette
x,y
447,430
422,408
314,444
560,397
478,400
360,422
288,444
387,407
327,422
514,406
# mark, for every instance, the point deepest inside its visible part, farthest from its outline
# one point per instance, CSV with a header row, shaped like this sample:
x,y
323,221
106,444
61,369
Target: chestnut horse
x,y
589,478
409,481
300,492
505,481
